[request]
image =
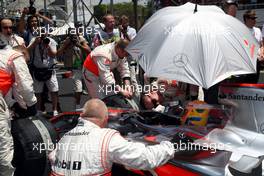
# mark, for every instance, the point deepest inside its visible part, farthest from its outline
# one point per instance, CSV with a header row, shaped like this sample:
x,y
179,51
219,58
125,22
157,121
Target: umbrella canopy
x,y
201,48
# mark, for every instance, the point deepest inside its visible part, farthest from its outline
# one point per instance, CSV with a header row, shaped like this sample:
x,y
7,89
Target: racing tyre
x,y
33,138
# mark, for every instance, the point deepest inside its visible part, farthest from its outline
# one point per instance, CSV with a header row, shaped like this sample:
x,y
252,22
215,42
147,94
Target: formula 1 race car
x,y
212,140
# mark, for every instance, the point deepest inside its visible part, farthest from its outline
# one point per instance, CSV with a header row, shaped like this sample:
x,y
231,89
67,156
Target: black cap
x,y
250,14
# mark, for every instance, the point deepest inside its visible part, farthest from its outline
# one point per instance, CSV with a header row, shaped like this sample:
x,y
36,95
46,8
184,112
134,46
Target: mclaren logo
x,y
180,60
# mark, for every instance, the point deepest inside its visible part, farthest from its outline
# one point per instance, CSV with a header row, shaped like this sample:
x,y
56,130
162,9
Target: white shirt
x,y
256,33
13,40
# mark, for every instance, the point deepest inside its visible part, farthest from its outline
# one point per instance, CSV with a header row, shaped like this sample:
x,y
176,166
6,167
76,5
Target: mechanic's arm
x,y
137,155
24,80
124,71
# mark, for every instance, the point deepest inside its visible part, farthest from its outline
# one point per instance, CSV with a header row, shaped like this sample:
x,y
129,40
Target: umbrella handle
x,y
195,9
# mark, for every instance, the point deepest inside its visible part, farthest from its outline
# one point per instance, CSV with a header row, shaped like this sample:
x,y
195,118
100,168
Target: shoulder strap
x,y
14,37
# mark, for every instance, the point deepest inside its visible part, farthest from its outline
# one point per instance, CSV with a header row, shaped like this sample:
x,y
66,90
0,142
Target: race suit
x,y
97,70
90,150
13,70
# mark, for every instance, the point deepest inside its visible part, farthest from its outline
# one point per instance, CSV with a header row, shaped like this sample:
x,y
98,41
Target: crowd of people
x,y
27,73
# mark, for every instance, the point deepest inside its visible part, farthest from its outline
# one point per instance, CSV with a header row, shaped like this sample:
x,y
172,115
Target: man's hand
x,y
25,11
38,40
127,91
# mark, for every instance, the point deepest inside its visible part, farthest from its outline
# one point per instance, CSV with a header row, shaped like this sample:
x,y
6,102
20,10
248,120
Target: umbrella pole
x,y
141,76
195,9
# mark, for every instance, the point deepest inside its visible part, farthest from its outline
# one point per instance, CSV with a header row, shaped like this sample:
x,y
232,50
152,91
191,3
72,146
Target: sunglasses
x,y
252,18
7,27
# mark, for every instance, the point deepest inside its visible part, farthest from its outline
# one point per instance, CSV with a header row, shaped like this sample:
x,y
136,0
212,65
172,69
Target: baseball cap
x,y
250,14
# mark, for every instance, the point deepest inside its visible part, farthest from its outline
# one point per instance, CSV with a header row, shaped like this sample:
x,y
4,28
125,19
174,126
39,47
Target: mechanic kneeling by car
x,y
91,149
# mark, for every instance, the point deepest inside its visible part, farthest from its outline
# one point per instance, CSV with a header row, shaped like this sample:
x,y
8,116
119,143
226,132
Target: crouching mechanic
x,y
91,149
13,70
98,66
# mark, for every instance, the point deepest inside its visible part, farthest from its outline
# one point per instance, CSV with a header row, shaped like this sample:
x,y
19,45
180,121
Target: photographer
x,y
126,32
42,53
29,29
74,50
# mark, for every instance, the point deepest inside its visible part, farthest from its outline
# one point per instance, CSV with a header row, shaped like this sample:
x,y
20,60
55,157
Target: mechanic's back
x,y
91,149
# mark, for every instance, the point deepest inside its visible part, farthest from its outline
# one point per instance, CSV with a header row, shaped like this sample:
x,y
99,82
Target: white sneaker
x,y
55,113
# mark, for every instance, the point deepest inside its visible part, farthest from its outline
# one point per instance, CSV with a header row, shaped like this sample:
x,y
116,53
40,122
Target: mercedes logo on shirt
x,y
180,60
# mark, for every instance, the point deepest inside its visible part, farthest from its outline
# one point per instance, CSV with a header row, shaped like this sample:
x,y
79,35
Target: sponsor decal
x,y
83,133
255,97
68,165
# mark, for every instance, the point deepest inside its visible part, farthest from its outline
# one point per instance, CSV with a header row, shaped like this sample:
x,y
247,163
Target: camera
x,y
72,36
43,36
32,10
45,39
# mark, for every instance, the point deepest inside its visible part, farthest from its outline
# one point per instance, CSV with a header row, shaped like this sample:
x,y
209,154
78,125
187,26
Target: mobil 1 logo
x,y
69,165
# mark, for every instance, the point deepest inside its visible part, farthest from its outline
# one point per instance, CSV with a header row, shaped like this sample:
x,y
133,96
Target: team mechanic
x,y
13,70
98,66
90,148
